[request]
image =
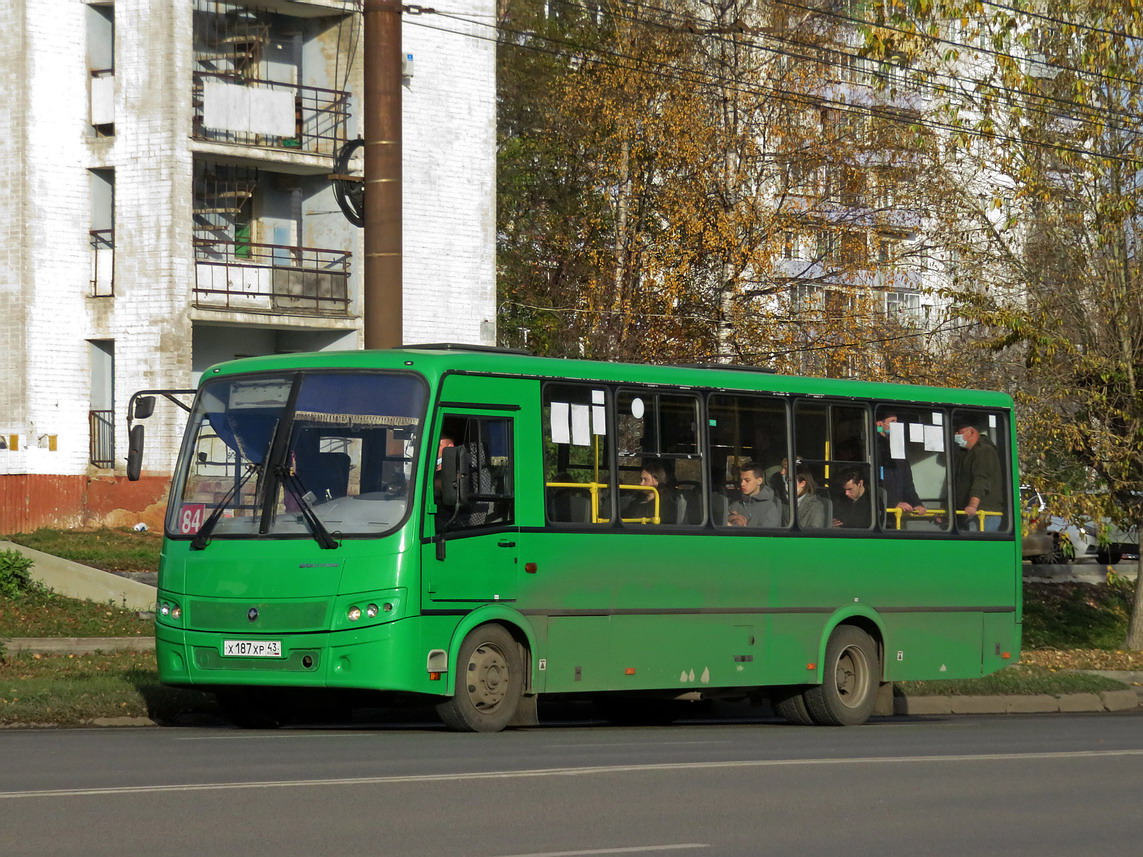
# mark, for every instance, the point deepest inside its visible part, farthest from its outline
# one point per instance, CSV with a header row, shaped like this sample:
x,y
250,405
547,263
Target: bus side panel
x,y
575,653
933,646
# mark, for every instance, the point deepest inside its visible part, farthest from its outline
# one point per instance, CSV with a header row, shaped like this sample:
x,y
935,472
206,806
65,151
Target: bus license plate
x,y
252,648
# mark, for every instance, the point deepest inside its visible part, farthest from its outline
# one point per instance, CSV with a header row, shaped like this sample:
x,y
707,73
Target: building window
x,y
102,232
101,415
100,24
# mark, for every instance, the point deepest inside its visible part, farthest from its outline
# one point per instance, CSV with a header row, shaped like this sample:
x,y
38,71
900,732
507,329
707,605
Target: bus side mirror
x,y
135,451
454,477
144,407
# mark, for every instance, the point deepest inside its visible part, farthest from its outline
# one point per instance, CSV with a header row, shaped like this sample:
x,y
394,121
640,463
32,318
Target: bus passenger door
x,y
470,554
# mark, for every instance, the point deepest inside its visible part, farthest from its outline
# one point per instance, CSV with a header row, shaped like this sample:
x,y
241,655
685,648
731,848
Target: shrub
x,y
15,577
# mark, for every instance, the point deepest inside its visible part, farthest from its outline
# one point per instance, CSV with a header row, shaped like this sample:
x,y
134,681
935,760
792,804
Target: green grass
x,y
1076,615
1018,679
68,690
121,550
39,613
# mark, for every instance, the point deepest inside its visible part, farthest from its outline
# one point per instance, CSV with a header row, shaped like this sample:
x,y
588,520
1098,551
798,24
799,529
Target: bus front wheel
x,y
851,676
489,682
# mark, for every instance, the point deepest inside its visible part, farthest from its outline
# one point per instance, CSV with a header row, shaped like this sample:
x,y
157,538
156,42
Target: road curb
x,y
75,645
1041,703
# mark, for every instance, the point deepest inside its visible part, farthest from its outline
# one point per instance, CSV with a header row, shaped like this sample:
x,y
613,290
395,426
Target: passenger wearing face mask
x,y
978,479
895,474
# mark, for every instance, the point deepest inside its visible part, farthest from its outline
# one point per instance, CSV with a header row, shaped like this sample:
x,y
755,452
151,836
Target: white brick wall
x,y
46,312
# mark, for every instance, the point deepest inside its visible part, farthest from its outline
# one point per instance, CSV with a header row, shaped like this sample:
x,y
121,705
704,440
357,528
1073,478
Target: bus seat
x,y
680,510
827,501
480,482
569,505
690,502
719,509
331,477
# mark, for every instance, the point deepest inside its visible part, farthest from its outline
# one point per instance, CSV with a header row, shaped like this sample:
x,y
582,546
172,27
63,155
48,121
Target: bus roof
x,y
437,359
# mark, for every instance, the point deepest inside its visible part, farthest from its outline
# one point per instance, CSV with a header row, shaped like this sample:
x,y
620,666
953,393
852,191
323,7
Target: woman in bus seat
x,y
812,511
642,503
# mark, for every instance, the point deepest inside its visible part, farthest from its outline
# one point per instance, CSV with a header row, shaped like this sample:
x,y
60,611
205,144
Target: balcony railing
x,y
101,444
102,263
271,278
230,108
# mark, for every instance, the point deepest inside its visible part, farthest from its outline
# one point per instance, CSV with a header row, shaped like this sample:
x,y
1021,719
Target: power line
x,y
711,28
1041,16
939,40
1090,115
699,77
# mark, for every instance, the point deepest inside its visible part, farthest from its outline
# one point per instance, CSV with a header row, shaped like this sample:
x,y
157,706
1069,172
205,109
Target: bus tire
x,y
851,676
489,682
790,703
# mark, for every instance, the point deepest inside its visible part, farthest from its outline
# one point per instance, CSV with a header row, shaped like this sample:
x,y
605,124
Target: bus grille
x,y
273,617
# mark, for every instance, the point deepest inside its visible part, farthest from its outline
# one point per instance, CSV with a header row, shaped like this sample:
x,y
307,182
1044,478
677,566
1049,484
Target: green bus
x,y
479,527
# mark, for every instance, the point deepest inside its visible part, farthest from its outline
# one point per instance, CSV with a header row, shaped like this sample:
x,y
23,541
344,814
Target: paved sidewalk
x,y
76,580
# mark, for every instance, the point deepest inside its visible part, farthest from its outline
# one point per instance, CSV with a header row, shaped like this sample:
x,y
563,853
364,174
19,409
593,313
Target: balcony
x,y
269,114
291,280
101,438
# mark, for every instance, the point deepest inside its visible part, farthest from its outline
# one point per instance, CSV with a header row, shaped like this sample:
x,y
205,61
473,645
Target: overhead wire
x,y
711,28
734,84
941,40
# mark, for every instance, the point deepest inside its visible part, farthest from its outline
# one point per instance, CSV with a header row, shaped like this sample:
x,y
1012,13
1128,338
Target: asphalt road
x,y
1049,785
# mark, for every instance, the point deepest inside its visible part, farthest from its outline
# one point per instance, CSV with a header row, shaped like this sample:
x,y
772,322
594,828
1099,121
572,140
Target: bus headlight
x,y
353,614
372,610
170,611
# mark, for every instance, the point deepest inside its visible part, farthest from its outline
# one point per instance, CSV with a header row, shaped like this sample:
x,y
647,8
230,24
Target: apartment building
x,y
167,205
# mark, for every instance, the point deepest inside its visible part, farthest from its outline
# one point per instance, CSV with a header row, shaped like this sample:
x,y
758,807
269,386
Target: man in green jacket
x,y
978,480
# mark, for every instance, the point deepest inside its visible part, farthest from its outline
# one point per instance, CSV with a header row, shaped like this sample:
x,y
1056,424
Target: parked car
x,y
1118,544
1052,540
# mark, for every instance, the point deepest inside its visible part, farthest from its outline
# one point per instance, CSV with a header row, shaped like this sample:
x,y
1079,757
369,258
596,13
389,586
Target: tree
x,y
1038,214
658,169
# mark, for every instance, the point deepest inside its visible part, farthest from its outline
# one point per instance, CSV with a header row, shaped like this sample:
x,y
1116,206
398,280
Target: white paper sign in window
x,y
897,440
561,425
580,425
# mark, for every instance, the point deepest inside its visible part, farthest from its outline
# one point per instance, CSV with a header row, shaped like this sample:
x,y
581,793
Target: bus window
x,y
487,445
660,469
577,454
748,440
980,485
831,443
911,469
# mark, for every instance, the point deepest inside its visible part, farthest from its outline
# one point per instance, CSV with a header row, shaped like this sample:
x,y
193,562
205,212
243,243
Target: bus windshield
x,y
285,455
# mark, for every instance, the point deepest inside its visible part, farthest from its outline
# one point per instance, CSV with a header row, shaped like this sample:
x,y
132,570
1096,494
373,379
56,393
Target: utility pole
x,y
382,291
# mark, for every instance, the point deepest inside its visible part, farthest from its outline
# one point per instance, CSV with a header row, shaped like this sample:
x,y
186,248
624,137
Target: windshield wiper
x,y
202,537
321,535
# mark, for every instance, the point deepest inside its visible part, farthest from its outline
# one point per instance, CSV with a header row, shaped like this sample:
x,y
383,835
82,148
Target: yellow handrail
x,y
595,487
897,512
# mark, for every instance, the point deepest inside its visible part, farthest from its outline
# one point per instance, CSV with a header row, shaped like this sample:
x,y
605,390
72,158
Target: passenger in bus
x,y
896,474
780,482
852,510
757,505
811,508
642,503
977,478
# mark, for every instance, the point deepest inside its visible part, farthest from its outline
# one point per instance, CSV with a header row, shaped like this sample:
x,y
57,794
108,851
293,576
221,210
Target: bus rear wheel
x,y
489,682
850,679
791,704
